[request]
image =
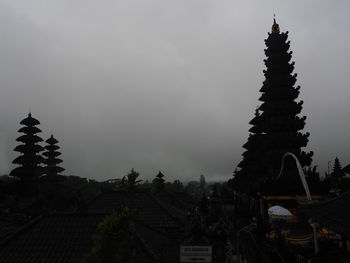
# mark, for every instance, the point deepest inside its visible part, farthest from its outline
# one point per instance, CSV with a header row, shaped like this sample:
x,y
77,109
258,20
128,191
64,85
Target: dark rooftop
x,y
67,237
180,200
51,238
10,224
333,214
149,210
63,238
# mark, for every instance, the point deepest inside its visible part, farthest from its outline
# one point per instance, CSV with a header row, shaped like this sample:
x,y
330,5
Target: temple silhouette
x,y
264,214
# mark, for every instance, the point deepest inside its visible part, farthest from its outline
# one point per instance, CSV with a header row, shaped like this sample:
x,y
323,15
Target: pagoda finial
x,y
275,26
30,111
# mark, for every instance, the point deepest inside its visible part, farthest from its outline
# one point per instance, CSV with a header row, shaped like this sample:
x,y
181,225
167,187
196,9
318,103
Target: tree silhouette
x,y
203,185
203,206
176,186
337,169
129,182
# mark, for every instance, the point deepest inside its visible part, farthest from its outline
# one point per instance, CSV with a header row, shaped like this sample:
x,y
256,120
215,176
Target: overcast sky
x,y
165,85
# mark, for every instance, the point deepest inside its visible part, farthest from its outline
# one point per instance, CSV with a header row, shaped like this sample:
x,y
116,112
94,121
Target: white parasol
x,y
279,212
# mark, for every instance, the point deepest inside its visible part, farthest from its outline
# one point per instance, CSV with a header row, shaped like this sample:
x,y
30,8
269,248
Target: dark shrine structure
x,y
276,126
159,182
260,186
52,170
30,159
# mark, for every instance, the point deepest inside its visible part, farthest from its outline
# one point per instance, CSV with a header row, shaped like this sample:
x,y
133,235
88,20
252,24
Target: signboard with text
x,y
196,254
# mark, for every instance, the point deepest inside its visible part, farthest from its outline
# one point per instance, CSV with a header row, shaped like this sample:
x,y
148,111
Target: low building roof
x,y
51,238
180,200
67,237
333,214
149,210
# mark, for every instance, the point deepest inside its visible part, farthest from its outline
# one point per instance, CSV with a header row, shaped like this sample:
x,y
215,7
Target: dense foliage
x,y
114,242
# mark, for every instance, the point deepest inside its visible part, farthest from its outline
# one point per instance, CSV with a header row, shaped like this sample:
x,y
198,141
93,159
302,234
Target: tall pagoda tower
x,y
52,170
276,125
30,160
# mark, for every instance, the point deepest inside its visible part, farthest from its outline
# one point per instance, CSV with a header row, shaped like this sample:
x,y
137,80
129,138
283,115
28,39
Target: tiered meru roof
x,y
30,159
52,169
276,125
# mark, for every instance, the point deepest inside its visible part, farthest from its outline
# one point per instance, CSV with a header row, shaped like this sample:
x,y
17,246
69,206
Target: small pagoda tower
x,y
276,125
159,182
30,160
52,170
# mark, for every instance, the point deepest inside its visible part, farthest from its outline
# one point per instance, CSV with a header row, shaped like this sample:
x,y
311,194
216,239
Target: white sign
x,y
196,254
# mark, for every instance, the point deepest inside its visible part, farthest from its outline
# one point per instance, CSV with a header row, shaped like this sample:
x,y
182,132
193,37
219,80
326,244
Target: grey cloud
x,y
165,85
